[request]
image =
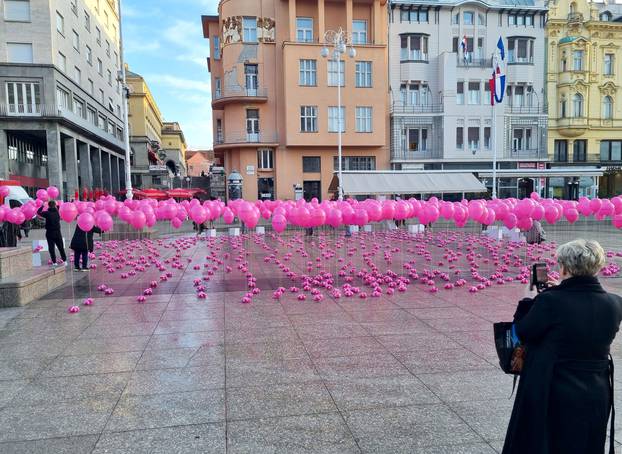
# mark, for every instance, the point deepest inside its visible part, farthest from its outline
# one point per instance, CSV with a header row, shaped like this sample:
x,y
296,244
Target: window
x,y
77,75
414,47
487,96
19,53
218,87
75,39
455,20
414,15
415,94
23,97
101,122
106,19
60,23
474,93
579,150
108,48
608,65
473,137
520,19
100,67
336,116
577,105
529,20
116,60
98,35
62,62
611,150
308,118
102,97
481,19
78,107
251,79
308,73
480,49
109,73
469,18
363,74
415,139
460,137
511,19
562,108
355,163
363,119
336,73
564,66
520,50
311,164
560,151
607,108
487,144
252,125
91,87
304,29
62,99
359,32
87,21
577,60
521,139
606,16
460,93
265,159
249,29
17,10
216,44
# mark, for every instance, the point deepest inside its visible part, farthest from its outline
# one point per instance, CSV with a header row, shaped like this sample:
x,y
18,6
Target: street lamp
x,y
340,44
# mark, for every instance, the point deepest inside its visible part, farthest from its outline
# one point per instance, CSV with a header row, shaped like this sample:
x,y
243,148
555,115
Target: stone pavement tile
x,y
379,392
469,386
263,373
482,343
162,410
162,381
402,327
13,369
118,329
498,445
44,390
475,448
155,298
185,340
254,334
165,359
431,313
447,360
382,316
212,356
321,317
347,346
373,365
54,419
375,304
166,326
420,300
493,313
199,313
488,418
408,429
94,345
427,341
278,400
321,434
192,439
271,351
100,363
66,445
328,330
293,307
9,389
463,323
29,350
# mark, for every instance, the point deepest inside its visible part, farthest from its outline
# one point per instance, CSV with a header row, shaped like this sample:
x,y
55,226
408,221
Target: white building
x,y
441,114
60,100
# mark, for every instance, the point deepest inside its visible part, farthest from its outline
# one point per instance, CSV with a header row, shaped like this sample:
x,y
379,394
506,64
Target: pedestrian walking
x,y
52,231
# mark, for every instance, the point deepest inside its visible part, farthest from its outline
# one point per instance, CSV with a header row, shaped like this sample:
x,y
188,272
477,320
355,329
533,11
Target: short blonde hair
x,y
581,257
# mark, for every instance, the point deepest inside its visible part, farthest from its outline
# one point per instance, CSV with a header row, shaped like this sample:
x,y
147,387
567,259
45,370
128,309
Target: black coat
x,y
563,398
83,241
52,220
10,234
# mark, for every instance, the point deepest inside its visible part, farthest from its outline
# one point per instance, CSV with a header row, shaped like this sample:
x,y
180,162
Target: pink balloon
x,y
360,217
571,215
617,221
86,221
334,218
4,191
198,214
42,194
388,210
279,223
551,214
104,220
68,212
137,220
525,224
510,221
176,223
228,216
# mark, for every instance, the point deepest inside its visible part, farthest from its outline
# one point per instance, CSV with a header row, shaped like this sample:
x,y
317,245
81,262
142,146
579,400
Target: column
x,y
114,170
71,165
321,20
349,16
378,20
86,170
122,174
55,165
292,20
106,179
4,156
96,160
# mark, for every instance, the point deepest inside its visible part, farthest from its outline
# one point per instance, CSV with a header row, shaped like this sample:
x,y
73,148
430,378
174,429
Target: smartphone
x,y
539,276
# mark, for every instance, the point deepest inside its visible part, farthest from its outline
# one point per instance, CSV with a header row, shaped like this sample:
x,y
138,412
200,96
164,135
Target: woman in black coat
x,y
11,233
565,396
82,244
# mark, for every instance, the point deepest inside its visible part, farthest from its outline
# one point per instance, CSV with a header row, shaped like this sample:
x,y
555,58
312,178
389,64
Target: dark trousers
x,y
85,259
55,239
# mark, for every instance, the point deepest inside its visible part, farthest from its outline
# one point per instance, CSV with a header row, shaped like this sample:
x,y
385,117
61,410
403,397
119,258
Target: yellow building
x,y
174,147
584,80
145,121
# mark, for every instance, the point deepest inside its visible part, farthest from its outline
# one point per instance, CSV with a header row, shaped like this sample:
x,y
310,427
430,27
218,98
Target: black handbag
x,y
511,356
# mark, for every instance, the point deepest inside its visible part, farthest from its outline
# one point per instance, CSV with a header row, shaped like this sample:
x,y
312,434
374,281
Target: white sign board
x,y
250,170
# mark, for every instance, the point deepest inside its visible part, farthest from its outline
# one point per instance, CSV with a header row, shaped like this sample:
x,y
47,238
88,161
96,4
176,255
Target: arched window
x,y
562,108
577,105
573,8
607,108
606,16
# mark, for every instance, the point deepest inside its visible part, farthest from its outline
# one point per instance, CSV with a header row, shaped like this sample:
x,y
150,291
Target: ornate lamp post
x,y
336,44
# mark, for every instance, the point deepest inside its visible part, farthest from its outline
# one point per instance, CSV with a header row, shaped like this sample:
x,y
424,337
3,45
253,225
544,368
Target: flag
x,y
497,81
501,48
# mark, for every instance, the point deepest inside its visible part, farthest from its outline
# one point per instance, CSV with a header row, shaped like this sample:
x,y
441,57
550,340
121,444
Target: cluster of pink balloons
x,y
513,213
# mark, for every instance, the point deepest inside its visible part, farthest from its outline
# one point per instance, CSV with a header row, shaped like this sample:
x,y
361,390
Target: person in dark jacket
x,y
564,396
82,244
11,233
52,231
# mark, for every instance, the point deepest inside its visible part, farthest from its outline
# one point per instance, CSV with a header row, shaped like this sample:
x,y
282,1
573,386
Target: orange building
x,y
274,97
199,162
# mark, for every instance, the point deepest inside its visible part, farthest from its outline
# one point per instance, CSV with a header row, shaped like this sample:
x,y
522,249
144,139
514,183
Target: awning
x,y
398,182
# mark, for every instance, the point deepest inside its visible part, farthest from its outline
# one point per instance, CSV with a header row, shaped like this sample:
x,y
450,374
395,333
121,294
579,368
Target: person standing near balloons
x,y
11,232
52,231
82,244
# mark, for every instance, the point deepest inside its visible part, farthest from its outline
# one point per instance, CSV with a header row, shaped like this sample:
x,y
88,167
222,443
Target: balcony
x,y
526,110
473,62
406,109
246,139
529,154
575,18
572,127
402,155
239,94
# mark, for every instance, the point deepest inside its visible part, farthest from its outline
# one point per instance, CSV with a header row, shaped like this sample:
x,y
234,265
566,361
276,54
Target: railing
x,y
575,17
473,62
530,153
241,92
400,108
411,155
572,122
249,137
526,110
219,139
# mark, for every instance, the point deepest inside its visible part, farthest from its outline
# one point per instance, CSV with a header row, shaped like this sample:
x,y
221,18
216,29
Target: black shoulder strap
x,y
612,430
513,385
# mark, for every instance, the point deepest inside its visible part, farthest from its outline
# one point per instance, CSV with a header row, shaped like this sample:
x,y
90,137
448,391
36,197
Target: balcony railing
x,y
522,154
237,92
248,137
473,62
411,155
572,122
575,17
526,110
401,108
219,139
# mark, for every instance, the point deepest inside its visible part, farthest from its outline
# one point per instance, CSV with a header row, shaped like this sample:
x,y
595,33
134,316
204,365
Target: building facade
x,y
60,99
199,162
174,147
145,122
275,109
584,93
441,114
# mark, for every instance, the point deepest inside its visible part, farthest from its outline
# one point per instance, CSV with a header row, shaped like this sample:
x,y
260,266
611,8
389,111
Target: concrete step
x,y
14,260
30,285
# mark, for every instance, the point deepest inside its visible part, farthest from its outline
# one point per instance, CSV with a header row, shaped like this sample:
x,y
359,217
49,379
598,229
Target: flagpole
x,y
494,152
